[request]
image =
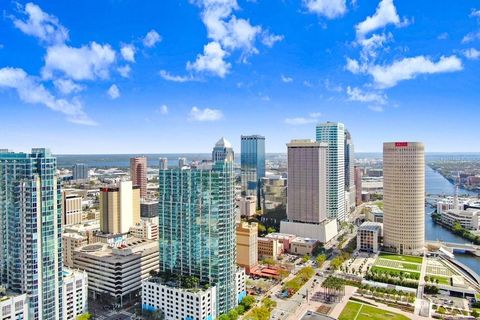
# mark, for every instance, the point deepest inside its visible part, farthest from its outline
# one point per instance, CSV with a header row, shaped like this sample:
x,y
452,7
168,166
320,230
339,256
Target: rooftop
x,y
370,226
224,143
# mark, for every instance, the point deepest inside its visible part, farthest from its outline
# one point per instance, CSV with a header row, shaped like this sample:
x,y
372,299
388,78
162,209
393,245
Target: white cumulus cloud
x,y
124,71
286,79
175,78
327,8
128,52
207,114
472,54
85,63
408,68
41,25
211,61
311,118
385,14
31,91
67,86
113,92
151,39
269,39
163,109
356,94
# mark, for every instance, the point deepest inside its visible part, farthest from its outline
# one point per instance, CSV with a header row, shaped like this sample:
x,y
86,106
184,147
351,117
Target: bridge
x,y
457,247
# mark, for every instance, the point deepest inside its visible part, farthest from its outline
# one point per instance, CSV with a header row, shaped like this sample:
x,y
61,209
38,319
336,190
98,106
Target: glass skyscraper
x,y
197,227
30,230
252,164
333,133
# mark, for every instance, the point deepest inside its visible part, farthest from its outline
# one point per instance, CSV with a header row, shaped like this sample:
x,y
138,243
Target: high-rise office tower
x,y
223,151
182,162
404,197
252,165
307,191
138,174
31,231
349,171
163,164
333,133
80,172
119,208
197,227
358,185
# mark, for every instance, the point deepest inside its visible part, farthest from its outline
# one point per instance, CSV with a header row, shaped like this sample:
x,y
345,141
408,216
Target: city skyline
x,y
171,71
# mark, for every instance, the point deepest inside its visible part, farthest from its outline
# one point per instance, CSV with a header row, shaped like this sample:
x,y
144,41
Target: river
x,y
435,183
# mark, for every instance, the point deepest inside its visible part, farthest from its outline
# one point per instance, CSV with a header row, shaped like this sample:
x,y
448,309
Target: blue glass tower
x,y
197,226
252,164
30,230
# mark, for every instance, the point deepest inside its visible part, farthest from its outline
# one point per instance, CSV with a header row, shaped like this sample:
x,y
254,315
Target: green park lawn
x,y
360,311
396,272
441,280
397,257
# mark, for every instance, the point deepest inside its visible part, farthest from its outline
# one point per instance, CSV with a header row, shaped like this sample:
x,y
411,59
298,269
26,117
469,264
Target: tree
x,y
261,229
271,230
84,316
305,258
269,304
260,313
223,317
475,313
268,261
233,314
247,302
320,260
240,309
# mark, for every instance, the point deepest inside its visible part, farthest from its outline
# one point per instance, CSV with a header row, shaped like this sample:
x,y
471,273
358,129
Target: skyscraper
x,y
349,171
138,174
163,164
358,185
307,191
252,164
404,197
182,162
333,133
80,172
223,151
119,208
30,230
197,227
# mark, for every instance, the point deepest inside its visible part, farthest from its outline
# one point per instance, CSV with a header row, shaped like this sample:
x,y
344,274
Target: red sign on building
x,y
401,144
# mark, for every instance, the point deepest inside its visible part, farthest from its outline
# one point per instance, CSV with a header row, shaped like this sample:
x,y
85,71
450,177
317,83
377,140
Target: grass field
x,y
360,311
397,257
396,272
395,264
441,280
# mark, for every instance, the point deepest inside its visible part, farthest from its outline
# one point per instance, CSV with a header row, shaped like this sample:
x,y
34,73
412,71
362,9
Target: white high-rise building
x,y
75,293
404,197
333,133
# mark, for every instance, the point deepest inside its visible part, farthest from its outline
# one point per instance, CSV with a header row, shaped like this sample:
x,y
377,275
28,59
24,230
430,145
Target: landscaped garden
x,y
360,311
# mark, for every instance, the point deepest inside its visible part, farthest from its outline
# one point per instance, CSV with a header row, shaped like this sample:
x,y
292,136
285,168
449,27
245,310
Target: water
x,y
435,183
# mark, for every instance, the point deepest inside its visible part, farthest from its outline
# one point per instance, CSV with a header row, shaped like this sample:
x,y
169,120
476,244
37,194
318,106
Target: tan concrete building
x,y
247,245
72,209
303,246
119,208
71,241
247,205
145,230
404,197
138,174
269,248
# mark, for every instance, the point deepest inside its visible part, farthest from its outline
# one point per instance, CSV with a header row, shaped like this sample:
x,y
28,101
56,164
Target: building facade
x,y
71,241
269,248
119,208
252,164
349,172
197,227
13,306
333,133
223,151
138,174
404,197
72,209
117,271
75,293
358,185
247,245
145,230
368,236
149,209
247,206
80,172
307,191
31,230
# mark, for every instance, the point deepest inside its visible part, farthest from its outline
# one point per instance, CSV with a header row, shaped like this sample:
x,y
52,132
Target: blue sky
x,y
124,76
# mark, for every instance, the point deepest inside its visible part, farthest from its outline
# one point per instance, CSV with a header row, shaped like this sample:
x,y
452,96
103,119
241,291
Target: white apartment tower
x,y
404,197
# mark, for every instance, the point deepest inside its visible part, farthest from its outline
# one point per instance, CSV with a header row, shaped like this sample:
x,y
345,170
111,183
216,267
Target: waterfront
x,y
435,183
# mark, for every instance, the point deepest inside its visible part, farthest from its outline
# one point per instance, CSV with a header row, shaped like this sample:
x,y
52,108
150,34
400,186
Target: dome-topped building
x,y
223,151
